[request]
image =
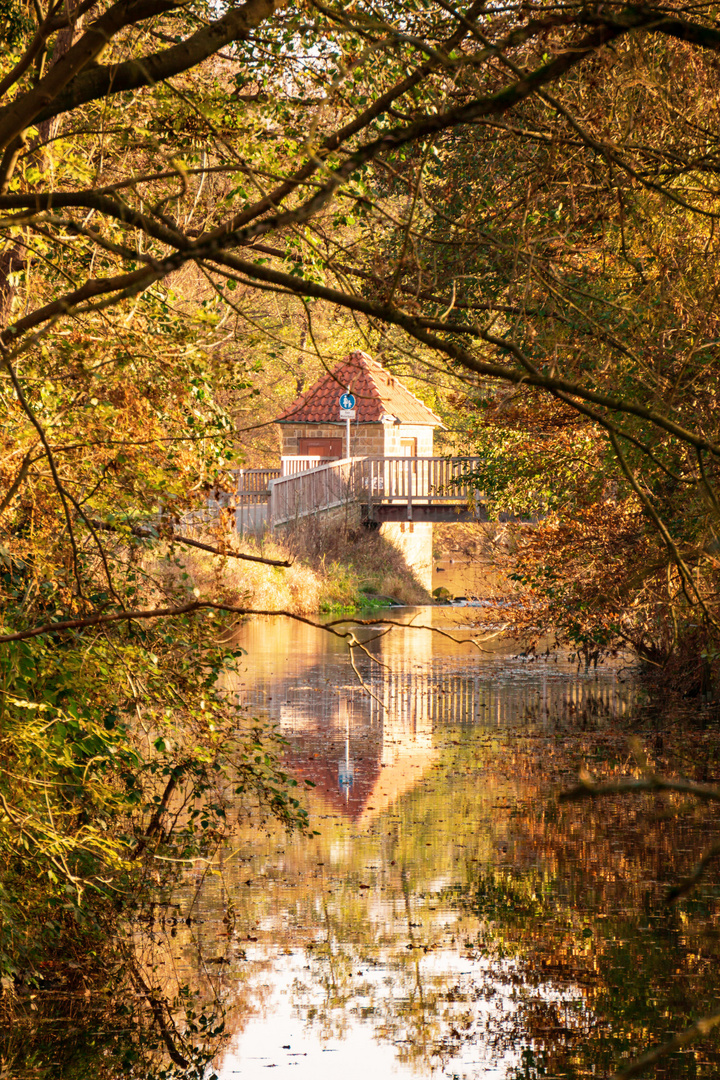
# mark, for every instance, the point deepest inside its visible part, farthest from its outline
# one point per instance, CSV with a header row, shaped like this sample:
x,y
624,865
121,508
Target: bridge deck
x,y
386,488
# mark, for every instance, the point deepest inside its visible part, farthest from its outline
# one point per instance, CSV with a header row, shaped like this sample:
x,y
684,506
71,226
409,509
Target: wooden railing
x,y
253,485
322,488
291,465
254,481
432,479
371,480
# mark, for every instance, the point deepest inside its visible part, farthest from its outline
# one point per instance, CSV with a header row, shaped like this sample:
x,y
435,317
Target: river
x,y
449,918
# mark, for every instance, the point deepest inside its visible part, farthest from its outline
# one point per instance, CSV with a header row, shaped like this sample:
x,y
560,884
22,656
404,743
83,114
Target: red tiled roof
x,y
376,391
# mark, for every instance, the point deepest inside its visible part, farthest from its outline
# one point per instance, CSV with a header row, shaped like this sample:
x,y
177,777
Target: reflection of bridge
x,y
364,752
384,488
541,697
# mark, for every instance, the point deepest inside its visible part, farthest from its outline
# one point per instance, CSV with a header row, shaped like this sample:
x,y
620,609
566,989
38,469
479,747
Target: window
x,y
408,447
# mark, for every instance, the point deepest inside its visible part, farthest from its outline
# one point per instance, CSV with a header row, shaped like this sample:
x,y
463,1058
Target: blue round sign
x,y
347,401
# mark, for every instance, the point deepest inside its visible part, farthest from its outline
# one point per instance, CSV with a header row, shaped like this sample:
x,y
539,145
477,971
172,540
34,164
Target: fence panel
x,y
254,480
321,488
292,465
429,479
372,480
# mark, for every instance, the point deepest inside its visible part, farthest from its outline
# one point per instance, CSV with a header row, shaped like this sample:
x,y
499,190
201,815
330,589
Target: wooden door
x,y
324,448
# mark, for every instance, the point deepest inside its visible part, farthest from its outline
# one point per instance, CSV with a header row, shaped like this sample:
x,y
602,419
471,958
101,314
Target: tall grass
x,y
332,568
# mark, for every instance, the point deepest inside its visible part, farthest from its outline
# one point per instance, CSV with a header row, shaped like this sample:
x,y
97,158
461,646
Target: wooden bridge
x,y
384,488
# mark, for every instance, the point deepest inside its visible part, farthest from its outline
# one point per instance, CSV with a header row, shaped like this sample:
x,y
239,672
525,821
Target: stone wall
x,y
366,440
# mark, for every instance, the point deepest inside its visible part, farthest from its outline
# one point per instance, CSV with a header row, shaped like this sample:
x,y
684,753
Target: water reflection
x,y
449,919
423,931
364,747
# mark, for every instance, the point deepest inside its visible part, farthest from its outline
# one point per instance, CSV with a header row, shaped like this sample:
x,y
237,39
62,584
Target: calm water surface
x,y
449,920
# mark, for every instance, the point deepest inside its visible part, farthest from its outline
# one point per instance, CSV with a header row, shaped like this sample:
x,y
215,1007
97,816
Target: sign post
x,y
347,413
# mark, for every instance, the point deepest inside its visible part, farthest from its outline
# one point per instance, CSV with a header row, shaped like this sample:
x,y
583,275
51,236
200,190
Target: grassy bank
x,y
333,569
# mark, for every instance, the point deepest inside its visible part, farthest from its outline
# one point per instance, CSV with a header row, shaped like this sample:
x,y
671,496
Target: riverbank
x,y
334,569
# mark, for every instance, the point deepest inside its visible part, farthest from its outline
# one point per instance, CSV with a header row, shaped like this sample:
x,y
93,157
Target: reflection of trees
x,y
119,1020
571,911
386,987
583,908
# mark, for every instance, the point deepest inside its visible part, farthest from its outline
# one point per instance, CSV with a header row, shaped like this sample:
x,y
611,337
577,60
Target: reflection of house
x,y
361,765
362,753
389,420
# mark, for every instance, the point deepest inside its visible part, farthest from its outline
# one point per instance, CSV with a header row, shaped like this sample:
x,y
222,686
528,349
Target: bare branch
x,y
143,614
147,533
587,789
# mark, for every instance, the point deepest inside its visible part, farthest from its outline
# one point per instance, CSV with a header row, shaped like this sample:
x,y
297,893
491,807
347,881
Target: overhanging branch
x,y
145,532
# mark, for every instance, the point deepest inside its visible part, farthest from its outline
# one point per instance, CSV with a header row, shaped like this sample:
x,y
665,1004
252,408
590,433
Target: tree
x,y
370,131
519,198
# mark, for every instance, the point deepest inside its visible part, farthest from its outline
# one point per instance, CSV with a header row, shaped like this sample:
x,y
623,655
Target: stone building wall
x,y
291,433
366,440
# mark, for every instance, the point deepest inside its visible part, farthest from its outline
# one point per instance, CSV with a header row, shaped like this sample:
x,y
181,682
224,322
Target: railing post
x,y
371,487
410,487
240,503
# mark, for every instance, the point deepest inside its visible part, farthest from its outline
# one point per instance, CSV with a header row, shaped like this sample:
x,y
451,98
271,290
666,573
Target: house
x,y
389,421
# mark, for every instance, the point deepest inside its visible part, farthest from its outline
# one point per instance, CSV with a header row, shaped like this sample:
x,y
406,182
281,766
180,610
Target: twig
x,y
156,1007
101,549
416,626
154,823
683,887
360,679
27,461
51,461
354,643
686,577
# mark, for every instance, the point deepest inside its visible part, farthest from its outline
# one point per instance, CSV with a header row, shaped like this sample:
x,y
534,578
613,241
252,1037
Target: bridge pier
x,y
414,540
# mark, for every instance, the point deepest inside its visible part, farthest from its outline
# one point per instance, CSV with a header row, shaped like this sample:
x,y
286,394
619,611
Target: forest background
x,y
204,206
